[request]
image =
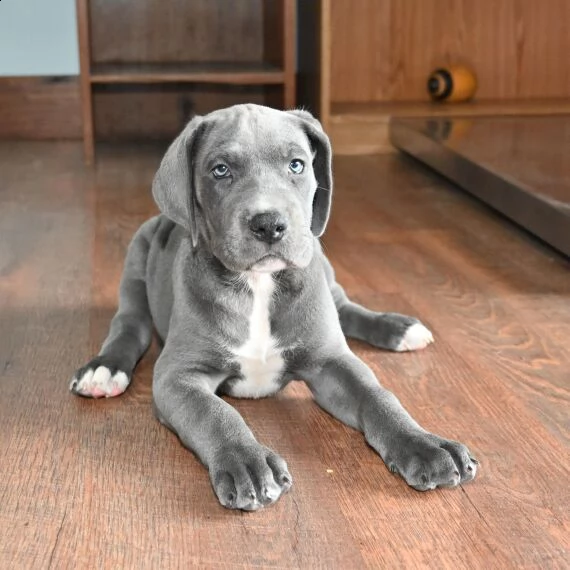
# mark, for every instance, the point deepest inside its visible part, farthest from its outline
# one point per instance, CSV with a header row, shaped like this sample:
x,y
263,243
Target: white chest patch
x,y
260,360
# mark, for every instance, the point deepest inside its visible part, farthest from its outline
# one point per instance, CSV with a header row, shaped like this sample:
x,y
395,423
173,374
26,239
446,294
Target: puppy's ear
x,y
173,186
322,166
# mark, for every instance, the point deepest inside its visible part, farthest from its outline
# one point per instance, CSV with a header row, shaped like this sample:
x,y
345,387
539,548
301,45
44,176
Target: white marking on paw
x,y
100,383
272,491
415,338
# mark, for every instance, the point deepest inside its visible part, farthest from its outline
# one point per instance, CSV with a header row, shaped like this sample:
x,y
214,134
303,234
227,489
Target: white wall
x,y
38,37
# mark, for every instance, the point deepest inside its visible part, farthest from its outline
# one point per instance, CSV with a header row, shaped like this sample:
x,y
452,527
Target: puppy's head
x,y
251,183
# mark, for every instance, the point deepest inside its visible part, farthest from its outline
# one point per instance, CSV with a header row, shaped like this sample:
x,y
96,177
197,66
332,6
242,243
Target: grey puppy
x,y
233,278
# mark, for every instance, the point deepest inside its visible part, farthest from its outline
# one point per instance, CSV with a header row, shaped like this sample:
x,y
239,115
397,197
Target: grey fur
x,y
186,271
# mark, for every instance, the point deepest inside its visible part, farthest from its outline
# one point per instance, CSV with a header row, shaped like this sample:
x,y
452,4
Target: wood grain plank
x,y
479,294
44,302
385,49
211,31
84,40
160,112
505,371
290,53
40,108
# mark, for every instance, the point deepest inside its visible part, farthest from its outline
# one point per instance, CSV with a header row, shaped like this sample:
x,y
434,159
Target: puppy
x,y
232,277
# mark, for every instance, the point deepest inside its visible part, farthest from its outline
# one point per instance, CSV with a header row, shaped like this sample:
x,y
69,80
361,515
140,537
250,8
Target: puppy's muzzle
x,y
269,227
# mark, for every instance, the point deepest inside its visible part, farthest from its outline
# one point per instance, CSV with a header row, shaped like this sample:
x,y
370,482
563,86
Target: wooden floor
x,y
100,484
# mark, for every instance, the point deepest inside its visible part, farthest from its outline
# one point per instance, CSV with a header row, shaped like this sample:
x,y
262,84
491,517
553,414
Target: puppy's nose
x,y
269,227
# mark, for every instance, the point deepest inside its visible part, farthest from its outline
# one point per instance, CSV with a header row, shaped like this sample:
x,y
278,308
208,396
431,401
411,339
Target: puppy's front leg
x,y
346,388
245,474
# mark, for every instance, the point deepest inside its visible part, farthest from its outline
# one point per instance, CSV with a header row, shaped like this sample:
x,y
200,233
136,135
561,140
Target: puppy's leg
x,y
346,388
244,474
384,330
109,373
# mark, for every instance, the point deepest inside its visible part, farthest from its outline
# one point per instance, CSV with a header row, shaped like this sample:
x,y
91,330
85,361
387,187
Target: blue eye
x,y
220,171
296,166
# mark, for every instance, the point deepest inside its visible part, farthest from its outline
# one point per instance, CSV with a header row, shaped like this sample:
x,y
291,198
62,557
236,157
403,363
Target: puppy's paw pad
x,y
415,338
99,382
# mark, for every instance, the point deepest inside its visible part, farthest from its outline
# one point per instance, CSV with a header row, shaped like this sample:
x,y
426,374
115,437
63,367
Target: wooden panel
x,y
290,53
132,112
84,39
39,108
273,32
230,73
361,49
178,30
279,42
385,49
543,36
313,75
326,55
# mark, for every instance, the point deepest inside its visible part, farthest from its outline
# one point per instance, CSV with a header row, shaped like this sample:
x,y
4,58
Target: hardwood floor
x,y
101,484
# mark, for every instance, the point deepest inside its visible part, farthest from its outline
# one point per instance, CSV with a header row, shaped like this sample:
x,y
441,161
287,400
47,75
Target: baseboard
x,y
354,138
363,128
40,108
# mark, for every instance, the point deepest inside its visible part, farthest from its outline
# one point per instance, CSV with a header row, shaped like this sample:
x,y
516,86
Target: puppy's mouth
x,y
269,264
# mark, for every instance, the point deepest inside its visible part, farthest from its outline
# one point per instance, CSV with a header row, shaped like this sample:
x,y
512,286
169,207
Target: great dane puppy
x,y
233,278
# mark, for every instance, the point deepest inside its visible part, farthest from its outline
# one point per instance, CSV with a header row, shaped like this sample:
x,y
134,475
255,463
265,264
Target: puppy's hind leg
x,y
109,373
391,331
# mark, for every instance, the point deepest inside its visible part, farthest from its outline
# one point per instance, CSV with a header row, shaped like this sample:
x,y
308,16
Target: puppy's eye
x,y
220,171
296,166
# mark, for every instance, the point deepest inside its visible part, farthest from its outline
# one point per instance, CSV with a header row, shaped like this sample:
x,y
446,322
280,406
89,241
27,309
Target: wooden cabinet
x,y
161,54
364,61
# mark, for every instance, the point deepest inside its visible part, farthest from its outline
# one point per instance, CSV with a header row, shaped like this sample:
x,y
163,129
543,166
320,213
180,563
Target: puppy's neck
x,y
289,282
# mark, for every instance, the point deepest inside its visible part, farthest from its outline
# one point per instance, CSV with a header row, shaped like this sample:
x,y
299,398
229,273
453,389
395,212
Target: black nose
x,y
268,226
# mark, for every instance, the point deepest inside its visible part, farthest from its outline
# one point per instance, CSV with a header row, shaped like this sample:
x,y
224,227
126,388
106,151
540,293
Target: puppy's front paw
x,y
99,378
416,337
248,476
427,461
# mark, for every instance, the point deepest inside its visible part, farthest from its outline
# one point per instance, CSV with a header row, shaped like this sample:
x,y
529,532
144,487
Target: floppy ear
x,y
173,185
322,166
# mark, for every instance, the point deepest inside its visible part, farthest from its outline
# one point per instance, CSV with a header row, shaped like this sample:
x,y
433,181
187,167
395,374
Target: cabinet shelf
x,y
220,73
